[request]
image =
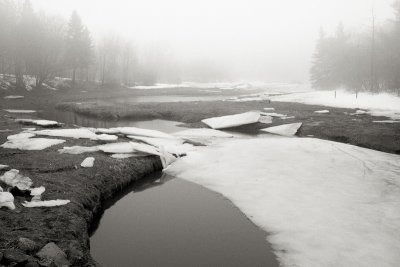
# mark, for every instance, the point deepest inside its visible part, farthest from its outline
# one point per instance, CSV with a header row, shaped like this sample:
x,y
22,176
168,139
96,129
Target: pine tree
x,y
79,50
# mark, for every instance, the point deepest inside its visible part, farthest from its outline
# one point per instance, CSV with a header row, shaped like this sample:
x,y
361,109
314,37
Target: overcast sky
x,y
269,40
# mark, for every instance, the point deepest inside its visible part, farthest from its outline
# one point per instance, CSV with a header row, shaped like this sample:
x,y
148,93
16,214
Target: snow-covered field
x,y
382,104
323,203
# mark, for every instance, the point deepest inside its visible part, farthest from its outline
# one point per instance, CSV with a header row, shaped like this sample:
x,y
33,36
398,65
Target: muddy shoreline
x,y
88,189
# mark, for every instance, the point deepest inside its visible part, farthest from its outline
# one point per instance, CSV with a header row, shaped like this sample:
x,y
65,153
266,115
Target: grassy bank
x,y
61,174
338,125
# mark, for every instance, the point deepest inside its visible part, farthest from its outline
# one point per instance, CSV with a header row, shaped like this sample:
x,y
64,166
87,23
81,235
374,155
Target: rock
x,y
53,253
1,255
27,245
15,255
32,264
75,253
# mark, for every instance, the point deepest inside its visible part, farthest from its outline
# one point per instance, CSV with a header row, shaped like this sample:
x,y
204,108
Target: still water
x,y
164,221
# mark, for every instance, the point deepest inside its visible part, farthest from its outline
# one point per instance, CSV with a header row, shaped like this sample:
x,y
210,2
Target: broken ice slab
x,y
325,111
265,119
285,129
14,179
43,123
88,162
46,203
232,120
31,143
7,200
77,134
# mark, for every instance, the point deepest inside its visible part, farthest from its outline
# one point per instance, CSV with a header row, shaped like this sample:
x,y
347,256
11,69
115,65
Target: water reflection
x,y
170,222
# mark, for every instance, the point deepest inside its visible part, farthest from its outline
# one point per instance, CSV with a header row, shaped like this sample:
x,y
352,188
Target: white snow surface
x,y
22,135
75,150
324,111
77,134
285,129
14,179
117,148
2,166
20,110
31,143
172,146
37,191
382,104
88,162
46,203
125,156
7,200
322,203
232,120
387,121
13,96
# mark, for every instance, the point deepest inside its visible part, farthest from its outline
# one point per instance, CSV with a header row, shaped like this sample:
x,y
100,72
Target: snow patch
x,y
46,203
14,179
88,162
75,150
322,111
13,97
6,200
77,134
31,143
20,110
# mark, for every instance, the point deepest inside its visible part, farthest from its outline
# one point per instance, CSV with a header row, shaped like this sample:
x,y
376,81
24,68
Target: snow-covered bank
x,y
323,203
383,104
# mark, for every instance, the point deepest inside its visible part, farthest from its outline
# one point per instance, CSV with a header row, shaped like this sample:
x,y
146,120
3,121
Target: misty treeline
x,y
36,47
361,61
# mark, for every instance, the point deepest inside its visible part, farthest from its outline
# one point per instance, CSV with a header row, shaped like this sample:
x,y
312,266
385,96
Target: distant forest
x,y
37,46
361,61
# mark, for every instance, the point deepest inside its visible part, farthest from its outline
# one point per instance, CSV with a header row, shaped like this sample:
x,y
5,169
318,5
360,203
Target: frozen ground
x,y
383,104
323,203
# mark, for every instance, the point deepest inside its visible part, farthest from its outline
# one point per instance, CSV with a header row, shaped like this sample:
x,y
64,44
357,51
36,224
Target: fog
x,y
266,40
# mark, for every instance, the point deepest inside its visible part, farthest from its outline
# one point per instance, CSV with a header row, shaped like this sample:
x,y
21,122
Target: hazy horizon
x,y
250,40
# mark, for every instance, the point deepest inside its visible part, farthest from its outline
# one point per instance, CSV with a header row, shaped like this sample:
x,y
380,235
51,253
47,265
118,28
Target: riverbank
x,y
87,188
340,124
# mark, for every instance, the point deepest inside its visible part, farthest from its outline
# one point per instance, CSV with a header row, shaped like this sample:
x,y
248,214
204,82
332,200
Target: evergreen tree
x,y
79,50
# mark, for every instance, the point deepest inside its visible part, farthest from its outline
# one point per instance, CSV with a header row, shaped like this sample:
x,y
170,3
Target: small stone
x,y
32,264
27,245
15,255
52,252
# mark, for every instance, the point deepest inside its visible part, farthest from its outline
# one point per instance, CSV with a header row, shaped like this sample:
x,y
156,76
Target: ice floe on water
x,y
13,96
273,114
77,134
269,109
88,162
20,110
44,123
265,119
202,132
285,129
323,203
140,132
232,120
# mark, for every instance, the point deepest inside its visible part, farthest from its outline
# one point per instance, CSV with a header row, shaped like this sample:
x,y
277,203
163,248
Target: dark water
x,y
170,222
71,118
